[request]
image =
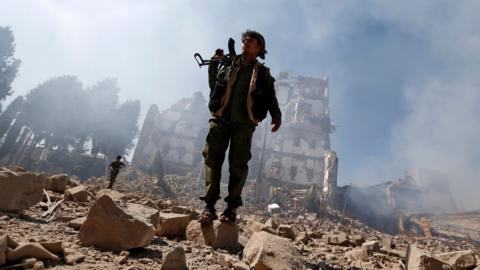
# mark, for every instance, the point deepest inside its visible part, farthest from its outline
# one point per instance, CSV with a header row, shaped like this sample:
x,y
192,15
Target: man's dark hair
x,y
260,40
119,157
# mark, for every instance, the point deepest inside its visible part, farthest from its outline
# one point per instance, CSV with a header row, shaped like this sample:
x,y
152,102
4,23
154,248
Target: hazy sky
x,y
403,74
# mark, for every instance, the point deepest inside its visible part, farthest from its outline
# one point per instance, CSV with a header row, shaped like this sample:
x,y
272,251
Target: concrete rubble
x,y
20,190
136,227
266,251
114,226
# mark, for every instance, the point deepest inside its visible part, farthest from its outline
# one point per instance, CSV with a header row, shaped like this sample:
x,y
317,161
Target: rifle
x,y
223,60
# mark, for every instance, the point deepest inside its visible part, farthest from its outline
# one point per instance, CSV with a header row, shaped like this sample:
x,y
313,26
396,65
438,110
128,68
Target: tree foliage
x,y
61,115
8,64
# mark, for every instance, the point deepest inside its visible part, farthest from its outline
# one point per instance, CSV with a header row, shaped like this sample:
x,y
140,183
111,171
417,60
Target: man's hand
x,y
276,122
218,54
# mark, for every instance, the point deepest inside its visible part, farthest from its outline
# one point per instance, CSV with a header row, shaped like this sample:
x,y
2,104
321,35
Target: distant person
x,y
114,169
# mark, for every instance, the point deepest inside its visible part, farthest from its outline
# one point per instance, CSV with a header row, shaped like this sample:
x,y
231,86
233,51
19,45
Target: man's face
x,y
250,46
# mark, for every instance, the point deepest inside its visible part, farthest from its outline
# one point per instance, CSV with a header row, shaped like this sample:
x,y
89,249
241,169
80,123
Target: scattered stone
x,y
28,262
57,183
123,258
268,251
76,223
53,247
387,243
358,240
271,223
111,226
172,224
145,261
217,235
74,258
240,266
77,194
152,214
273,208
286,231
303,237
175,260
340,239
35,250
115,195
39,266
422,261
459,259
185,210
20,190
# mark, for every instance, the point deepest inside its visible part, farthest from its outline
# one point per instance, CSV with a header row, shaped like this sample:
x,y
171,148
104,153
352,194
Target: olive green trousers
x,y
221,134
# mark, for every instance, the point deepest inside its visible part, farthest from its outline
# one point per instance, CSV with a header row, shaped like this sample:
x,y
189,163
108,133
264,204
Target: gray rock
x,y
114,226
20,190
175,260
268,251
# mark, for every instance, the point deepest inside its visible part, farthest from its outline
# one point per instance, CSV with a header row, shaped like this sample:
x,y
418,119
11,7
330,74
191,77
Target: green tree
x,y
8,64
55,112
103,101
114,125
7,117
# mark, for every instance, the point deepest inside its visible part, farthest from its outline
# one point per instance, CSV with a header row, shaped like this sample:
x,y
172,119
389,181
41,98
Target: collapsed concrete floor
x,y
289,239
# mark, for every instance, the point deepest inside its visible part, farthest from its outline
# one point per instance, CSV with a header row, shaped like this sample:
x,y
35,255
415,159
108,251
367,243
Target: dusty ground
x,y
318,252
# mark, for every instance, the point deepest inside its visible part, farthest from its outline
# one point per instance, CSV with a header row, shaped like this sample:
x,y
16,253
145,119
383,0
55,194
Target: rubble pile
x,y
84,226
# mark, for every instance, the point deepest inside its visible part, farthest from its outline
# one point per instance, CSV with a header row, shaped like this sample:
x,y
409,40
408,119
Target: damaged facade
x,y
178,133
295,154
398,206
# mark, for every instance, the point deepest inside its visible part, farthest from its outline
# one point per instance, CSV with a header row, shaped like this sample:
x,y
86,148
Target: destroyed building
x,y
178,134
295,154
392,206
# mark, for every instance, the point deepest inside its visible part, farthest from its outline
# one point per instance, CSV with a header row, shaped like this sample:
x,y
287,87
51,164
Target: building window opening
x,y
296,142
293,173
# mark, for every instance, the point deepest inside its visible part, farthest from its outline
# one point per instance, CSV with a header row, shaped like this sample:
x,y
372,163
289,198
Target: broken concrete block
x,y
358,240
76,223
273,208
115,195
3,249
185,210
371,246
38,266
20,190
111,226
422,261
459,259
172,224
77,194
286,231
35,250
387,243
248,226
57,183
218,235
340,239
365,251
122,258
53,247
28,263
175,260
272,223
152,214
268,251
74,258
303,237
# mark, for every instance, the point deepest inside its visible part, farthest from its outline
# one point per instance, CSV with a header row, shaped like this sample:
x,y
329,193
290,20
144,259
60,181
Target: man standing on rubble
x,y
114,170
241,95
